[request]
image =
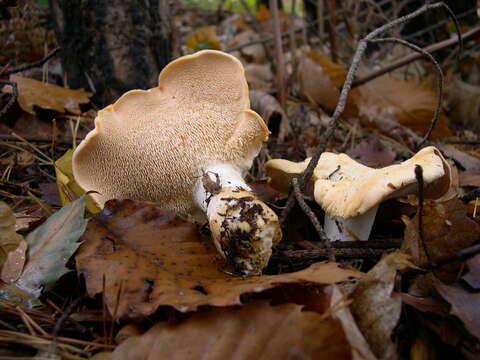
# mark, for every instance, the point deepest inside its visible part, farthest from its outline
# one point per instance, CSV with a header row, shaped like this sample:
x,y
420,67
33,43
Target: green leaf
x,y
50,247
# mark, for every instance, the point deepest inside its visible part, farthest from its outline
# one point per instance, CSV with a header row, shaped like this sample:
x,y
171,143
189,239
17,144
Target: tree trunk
x,y
111,46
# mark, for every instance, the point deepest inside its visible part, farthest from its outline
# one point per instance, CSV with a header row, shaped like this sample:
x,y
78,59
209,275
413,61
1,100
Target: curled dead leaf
x,y
253,331
410,104
446,228
48,96
155,258
375,307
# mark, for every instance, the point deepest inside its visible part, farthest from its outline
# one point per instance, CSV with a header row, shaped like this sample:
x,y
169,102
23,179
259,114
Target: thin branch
x,y
31,65
471,34
314,220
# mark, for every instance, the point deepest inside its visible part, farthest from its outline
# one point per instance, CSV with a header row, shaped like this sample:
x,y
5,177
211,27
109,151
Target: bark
x,y
111,46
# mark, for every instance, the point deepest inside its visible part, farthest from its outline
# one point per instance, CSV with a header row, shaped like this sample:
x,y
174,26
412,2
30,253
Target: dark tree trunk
x,y
111,46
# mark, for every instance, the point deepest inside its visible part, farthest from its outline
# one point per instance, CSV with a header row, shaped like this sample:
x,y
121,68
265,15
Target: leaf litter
x,y
146,262
144,257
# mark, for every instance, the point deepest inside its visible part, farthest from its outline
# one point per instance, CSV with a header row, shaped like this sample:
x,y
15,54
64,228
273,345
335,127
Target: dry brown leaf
x,y
371,152
355,338
14,263
320,80
412,105
9,239
259,76
375,308
463,103
472,277
254,331
446,229
203,38
48,96
160,259
271,111
464,304
251,54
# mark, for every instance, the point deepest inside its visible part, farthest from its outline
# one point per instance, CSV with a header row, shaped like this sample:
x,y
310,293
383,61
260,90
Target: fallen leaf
x,y
412,105
464,161
446,228
9,239
354,336
371,152
251,54
472,277
159,259
14,263
48,96
463,103
375,308
465,305
321,80
49,248
271,111
203,38
253,331
66,184
259,76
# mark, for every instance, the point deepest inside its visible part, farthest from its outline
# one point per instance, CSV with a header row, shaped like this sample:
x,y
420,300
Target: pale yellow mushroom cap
x,y
153,144
346,188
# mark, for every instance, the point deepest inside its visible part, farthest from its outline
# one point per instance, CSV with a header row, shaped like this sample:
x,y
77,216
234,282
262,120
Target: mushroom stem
x,y
244,229
353,228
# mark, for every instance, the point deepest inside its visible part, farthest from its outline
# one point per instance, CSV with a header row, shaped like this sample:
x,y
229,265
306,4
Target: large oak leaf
x,y
150,257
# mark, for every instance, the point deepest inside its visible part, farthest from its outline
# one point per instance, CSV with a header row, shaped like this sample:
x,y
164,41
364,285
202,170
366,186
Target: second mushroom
x,y
350,192
187,144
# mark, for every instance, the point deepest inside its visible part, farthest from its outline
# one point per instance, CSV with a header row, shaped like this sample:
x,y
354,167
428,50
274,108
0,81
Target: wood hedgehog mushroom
x,y
350,192
186,145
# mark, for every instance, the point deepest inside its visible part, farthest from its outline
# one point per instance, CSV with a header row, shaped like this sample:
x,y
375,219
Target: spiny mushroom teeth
x,y
244,229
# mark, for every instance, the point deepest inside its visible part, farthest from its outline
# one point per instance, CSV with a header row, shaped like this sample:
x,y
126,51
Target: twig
x,y
471,34
320,21
13,96
344,253
440,81
342,100
420,182
332,33
31,65
66,141
446,259
314,220
280,60
472,195
65,314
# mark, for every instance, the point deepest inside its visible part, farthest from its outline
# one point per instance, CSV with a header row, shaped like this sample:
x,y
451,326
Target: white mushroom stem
x,y
354,228
243,228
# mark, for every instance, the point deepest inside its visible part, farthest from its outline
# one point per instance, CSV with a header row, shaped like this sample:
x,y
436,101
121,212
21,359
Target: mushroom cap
x,y
153,144
346,188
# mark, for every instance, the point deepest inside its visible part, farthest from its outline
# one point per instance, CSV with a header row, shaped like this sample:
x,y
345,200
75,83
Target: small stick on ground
x,y
31,65
306,209
472,195
419,177
407,59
